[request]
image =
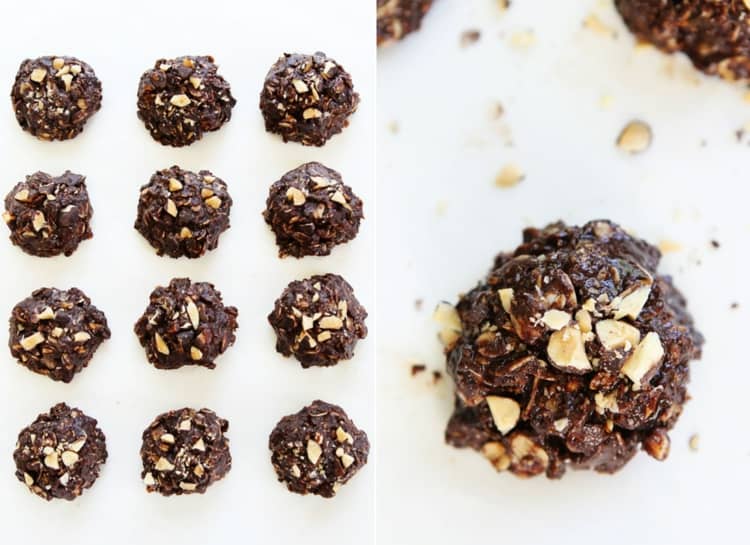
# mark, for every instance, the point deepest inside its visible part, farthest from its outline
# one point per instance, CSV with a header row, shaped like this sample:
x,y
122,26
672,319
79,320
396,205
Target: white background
x,y
252,386
443,220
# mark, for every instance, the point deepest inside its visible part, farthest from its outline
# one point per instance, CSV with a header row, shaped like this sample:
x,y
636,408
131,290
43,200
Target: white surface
x,y
252,386
444,159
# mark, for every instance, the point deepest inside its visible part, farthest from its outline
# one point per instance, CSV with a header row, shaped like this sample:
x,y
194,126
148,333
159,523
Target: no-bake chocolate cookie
x,y
397,18
573,352
54,97
714,34
317,450
310,211
307,98
186,323
48,215
184,452
183,214
60,454
180,99
318,321
56,332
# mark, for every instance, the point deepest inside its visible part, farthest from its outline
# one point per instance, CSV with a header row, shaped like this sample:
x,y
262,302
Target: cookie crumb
x,y
470,37
635,137
669,246
715,244
417,369
594,23
510,176
694,442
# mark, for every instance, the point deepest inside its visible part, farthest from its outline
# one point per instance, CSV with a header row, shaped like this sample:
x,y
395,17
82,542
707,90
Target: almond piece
x,y
313,451
644,360
556,319
567,352
505,412
630,303
506,298
614,334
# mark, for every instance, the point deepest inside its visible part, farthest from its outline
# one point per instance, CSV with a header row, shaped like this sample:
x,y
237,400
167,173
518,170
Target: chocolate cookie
x,y
573,352
186,323
54,97
310,211
184,452
307,98
317,450
56,332
180,99
397,18
715,35
47,215
60,454
318,321
183,214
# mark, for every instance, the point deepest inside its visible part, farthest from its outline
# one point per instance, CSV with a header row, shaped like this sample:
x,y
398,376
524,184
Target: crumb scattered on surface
x,y
635,137
594,23
522,39
734,306
606,102
667,246
470,37
715,244
496,111
510,176
694,442
418,304
503,5
417,369
393,127
437,376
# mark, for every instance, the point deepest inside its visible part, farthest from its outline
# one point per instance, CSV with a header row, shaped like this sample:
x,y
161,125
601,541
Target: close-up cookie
x,y
184,452
60,454
56,332
49,215
573,352
318,321
181,99
398,18
307,98
54,97
311,211
713,34
186,323
183,213
317,450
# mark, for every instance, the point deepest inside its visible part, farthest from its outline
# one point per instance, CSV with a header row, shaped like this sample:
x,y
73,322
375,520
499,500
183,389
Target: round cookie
x,y
573,352
60,454
184,452
186,323
714,35
54,97
183,214
310,211
49,216
56,332
307,98
318,321
180,99
317,450
397,18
